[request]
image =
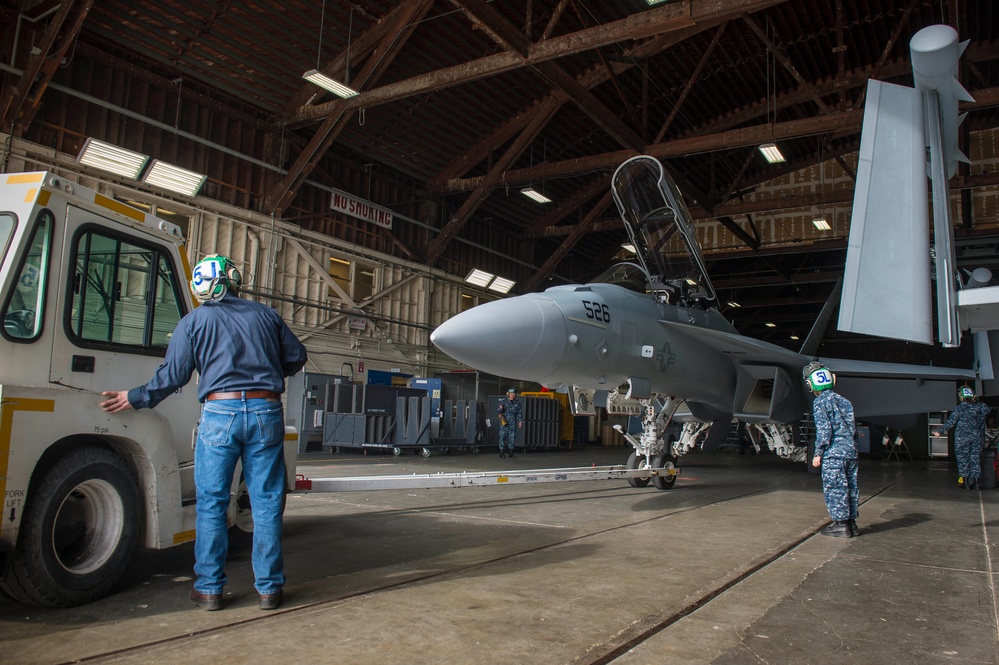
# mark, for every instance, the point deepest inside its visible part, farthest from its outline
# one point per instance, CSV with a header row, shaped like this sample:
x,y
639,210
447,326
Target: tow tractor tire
x,y
79,528
635,462
664,461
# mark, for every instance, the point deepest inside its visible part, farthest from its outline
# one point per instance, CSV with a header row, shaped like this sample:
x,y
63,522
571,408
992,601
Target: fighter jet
x,y
650,332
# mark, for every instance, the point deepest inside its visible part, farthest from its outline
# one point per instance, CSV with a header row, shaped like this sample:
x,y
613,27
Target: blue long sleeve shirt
x,y
835,426
235,345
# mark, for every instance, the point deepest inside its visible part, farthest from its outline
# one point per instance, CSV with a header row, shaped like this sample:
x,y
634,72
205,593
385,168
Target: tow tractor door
x,y
121,295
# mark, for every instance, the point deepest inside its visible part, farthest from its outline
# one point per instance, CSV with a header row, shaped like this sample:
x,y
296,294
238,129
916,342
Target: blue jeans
x,y
252,431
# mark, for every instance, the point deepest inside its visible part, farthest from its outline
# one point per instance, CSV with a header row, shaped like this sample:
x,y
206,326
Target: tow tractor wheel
x,y
664,460
78,531
241,531
636,462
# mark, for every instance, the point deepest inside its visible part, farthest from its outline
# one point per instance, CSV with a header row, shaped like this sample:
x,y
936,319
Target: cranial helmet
x,y
817,377
511,390
965,393
212,278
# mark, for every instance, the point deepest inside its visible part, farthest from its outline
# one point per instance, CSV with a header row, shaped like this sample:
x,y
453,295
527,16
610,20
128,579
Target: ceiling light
x,y
772,153
627,246
501,285
323,81
821,224
732,303
479,277
111,158
174,178
794,337
770,325
536,196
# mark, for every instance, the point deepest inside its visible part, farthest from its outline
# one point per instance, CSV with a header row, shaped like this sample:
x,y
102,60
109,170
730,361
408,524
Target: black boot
x,y
854,531
502,454
972,483
511,454
838,529
962,482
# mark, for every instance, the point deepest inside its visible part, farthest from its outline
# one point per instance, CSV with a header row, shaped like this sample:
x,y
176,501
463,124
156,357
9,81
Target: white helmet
x,y
212,278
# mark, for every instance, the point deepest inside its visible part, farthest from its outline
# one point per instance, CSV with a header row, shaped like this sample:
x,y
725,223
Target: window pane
x,y
166,312
7,224
24,314
364,282
119,298
340,272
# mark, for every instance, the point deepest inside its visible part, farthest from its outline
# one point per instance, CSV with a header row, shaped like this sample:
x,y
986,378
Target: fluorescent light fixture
x,y
691,282
794,337
653,3
479,277
323,81
772,153
821,224
173,178
536,196
770,325
111,158
501,285
627,246
732,303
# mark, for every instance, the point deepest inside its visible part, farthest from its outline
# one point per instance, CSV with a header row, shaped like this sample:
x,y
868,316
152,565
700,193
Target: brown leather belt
x,y
246,394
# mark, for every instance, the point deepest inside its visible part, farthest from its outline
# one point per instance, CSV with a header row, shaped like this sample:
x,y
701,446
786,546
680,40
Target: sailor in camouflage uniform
x,y
835,451
969,436
511,417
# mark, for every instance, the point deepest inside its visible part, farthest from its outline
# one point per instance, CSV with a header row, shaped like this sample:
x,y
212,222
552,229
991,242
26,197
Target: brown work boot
x,y
271,601
209,602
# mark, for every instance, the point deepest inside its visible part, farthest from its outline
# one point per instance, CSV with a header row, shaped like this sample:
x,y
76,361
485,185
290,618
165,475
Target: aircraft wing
x,y
770,386
742,349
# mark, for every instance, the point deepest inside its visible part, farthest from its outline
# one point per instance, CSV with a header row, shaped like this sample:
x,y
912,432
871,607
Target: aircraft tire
x,y
635,463
664,460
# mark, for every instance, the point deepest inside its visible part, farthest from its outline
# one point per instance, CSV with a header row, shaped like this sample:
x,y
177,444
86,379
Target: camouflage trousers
x,y
969,458
507,437
839,488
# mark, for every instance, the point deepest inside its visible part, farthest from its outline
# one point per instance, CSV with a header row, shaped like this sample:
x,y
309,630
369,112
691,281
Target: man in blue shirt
x,y
511,418
835,451
243,351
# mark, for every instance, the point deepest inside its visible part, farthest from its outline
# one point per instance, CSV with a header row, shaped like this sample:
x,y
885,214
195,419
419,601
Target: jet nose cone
x,y
521,338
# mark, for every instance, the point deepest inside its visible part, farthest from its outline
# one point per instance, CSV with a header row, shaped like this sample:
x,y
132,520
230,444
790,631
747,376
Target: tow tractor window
x,y
24,311
7,224
123,294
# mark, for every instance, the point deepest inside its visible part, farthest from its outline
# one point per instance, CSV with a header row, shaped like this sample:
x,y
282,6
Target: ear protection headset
x,y
212,278
818,377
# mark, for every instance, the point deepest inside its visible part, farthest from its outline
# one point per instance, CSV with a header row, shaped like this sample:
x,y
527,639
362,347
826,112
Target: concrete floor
x,y
724,568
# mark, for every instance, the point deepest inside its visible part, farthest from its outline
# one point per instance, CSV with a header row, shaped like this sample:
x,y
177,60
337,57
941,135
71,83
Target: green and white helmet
x,y
818,377
212,278
965,393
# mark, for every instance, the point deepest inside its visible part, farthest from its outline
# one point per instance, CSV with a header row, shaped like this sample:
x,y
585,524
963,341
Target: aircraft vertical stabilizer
x,y
886,283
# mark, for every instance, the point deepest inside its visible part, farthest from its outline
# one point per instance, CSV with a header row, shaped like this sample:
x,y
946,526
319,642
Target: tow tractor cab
x,y
91,290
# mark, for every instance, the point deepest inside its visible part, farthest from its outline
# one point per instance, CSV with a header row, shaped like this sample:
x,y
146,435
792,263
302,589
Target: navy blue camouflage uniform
x,y
969,436
835,443
514,414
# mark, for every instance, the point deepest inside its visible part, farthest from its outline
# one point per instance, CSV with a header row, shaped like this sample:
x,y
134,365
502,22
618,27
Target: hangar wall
x,y
286,267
